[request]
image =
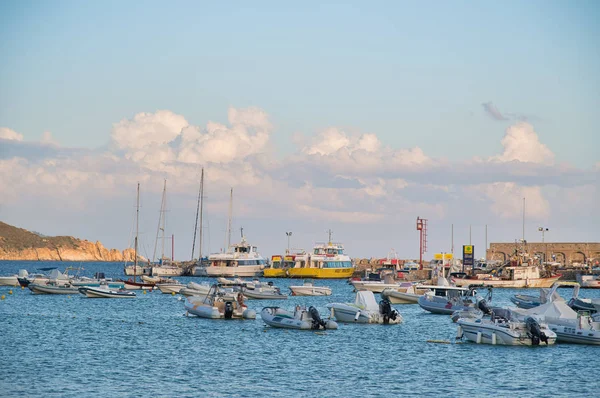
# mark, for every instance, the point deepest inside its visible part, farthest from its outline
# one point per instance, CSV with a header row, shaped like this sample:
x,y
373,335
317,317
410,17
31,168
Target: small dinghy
x,y
365,310
529,301
51,288
406,293
499,326
448,299
301,319
104,291
170,287
215,306
263,291
570,326
308,289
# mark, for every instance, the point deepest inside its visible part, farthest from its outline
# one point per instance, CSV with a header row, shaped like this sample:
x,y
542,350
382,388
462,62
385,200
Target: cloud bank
x,y
332,176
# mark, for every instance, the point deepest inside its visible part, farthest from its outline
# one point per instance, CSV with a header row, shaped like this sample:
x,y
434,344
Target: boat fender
x,y
228,310
357,316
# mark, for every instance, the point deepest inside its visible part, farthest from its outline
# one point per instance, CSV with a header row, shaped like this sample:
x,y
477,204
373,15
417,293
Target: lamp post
x,y
289,234
544,230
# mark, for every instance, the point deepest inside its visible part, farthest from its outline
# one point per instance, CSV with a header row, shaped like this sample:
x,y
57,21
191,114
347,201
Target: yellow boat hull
x,y
274,273
321,273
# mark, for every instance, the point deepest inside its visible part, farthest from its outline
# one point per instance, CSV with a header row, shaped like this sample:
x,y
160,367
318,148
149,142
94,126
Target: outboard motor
x,y
228,310
317,322
536,333
385,308
482,305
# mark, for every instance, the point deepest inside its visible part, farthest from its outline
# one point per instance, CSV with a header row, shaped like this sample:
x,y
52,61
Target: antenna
x,y
329,231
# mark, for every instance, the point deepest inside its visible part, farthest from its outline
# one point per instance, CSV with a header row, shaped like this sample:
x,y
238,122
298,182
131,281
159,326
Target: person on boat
x,y
240,299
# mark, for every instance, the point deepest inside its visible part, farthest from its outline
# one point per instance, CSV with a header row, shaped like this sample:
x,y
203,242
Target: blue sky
x,y
415,74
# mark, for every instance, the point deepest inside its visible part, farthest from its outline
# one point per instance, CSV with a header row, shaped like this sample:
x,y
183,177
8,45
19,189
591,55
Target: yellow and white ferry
x,y
280,264
327,261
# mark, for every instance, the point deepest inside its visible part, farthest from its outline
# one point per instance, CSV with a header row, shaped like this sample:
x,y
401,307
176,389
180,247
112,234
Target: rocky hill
x,y
20,244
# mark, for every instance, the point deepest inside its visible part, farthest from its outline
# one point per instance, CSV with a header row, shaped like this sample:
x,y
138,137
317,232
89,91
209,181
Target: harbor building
x,y
565,253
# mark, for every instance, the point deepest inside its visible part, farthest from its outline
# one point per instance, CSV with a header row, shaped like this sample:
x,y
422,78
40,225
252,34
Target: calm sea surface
x,y
71,346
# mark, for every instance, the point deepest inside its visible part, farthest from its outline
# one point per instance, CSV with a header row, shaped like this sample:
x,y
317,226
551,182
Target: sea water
x,y
72,346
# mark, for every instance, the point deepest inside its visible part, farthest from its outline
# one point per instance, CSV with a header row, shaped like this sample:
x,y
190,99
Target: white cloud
x,y
334,177
506,200
8,134
521,143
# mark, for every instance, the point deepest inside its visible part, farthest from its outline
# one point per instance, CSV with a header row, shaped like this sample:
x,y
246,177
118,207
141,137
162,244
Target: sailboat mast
x,y
137,227
201,211
161,224
229,222
164,221
197,211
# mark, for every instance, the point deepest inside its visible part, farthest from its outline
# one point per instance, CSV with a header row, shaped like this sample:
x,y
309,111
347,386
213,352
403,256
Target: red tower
x,y
422,228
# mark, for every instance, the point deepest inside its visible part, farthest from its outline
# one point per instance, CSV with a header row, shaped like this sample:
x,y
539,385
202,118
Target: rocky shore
x,y
20,244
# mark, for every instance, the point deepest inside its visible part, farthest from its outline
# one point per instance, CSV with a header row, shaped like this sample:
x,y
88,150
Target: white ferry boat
x,y
241,259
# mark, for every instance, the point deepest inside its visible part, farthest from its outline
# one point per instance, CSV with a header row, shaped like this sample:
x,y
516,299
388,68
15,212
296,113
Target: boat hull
x,y
396,297
197,306
520,283
169,288
310,291
274,273
278,318
92,292
9,281
347,313
258,295
44,289
166,271
570,334
484,333
243,271
138,285
136,271
440,306
321,273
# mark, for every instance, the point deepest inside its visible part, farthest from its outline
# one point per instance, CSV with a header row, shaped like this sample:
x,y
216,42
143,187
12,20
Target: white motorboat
x,y
232,282
309,289
448,299
406,293
301,319
569,325
52,288
195,289
98,279
377,286
501,327
365,310
170,287
103,291
264,292
13,280
215,306
589,281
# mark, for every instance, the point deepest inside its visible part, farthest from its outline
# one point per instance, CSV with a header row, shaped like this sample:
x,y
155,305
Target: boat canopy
x,y
365,299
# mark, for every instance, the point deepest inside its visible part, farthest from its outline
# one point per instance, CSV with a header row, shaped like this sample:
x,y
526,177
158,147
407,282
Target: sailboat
x,y
164,268
134,284
199,213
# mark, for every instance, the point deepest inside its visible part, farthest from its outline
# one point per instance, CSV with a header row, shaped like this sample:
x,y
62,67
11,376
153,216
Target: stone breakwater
x,y
84,251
